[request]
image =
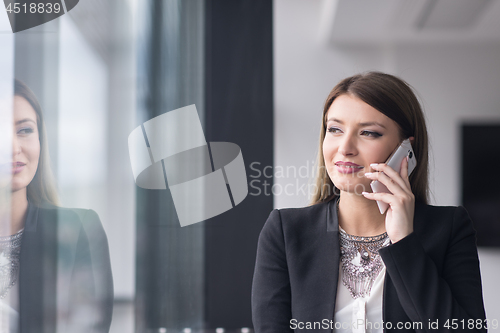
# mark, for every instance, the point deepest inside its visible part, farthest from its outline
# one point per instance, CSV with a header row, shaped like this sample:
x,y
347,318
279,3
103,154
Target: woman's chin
x,y
16,186
354,187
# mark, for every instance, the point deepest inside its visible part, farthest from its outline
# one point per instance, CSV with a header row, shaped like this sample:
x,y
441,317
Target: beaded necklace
x,y
361,262
10,250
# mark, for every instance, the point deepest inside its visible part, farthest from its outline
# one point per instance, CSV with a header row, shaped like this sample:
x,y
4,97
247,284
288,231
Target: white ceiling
x,y
376,21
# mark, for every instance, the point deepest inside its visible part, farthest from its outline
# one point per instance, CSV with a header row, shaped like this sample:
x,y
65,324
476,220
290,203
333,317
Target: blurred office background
x,y
258,72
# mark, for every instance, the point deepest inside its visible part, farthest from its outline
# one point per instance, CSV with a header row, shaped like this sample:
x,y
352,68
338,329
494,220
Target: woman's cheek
x,y
34,153
327,149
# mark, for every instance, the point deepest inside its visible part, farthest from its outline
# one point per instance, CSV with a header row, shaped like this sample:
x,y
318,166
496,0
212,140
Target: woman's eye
x,y
333,130
366,133
372,134
25,131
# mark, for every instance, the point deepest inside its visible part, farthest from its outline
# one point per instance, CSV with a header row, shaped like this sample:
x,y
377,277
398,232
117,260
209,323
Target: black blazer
x,y
65,279
431,274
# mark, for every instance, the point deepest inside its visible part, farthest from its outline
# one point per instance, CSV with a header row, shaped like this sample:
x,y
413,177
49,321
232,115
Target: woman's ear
x,y
412,140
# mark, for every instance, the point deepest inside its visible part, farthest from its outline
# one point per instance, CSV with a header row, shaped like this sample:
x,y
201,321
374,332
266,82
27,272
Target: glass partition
x,y
126,129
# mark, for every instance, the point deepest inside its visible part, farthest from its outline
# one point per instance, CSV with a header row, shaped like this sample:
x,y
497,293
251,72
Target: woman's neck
x,y
13,222
360,216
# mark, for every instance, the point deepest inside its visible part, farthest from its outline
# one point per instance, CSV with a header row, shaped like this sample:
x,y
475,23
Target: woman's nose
x,y
348,146
16,147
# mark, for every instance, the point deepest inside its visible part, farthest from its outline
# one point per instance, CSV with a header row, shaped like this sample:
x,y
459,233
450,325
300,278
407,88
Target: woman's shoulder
x,y
447,219
432,212
296,218
76,217
311,209
69,213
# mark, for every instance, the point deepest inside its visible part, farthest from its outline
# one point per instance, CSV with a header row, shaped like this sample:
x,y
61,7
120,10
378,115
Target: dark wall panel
x,y
479,190
239,109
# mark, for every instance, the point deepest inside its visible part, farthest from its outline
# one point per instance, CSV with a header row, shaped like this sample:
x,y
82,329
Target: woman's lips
x,y
16,168
348,169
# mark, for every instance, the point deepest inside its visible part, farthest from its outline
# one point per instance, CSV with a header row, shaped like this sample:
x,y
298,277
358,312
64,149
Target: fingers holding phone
x,y
395,161
391,188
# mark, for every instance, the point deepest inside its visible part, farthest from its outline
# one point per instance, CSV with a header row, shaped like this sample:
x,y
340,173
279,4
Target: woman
x,y
55,273
339,265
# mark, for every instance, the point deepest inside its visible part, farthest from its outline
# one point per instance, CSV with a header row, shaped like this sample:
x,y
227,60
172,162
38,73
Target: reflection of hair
x,y
395,99
41,189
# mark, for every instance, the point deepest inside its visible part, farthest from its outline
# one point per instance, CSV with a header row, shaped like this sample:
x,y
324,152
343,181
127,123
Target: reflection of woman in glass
x,y
54,268
340,264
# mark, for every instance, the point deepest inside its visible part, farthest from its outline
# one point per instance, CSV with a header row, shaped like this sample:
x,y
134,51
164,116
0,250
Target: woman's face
x,y
359,134
25,144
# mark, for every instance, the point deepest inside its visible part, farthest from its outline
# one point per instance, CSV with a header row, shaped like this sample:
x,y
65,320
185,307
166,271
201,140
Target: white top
x,y
9,310
363,314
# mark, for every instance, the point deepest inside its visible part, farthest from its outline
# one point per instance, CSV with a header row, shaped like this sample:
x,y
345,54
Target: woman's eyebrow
x,y
360,124
25,120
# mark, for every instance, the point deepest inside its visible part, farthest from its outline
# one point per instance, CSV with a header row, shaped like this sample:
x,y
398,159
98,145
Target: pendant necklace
x,y
10,250
361,262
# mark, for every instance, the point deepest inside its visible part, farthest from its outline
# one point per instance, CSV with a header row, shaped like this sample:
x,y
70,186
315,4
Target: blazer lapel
x,y
333,255
37,272
392,311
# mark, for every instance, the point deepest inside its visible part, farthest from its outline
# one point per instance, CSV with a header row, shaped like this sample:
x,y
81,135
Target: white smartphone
x,y
394,161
